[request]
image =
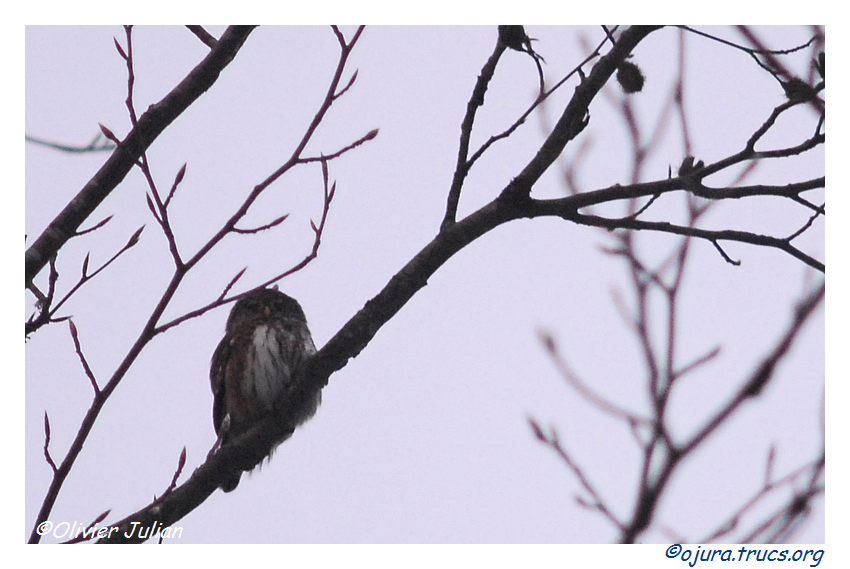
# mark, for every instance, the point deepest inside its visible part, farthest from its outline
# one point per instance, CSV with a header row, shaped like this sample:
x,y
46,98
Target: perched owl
x,y
255,366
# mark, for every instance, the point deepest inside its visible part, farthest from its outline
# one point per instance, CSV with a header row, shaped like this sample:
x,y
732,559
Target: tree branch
x,y
149,127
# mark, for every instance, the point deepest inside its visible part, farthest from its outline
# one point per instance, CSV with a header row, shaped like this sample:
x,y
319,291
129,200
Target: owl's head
x,y
265,303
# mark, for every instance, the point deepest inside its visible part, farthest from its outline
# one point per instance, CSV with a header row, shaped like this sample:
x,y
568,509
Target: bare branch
x,y
243,452
751,51
702,360
269,225
83,361
597,504
324,158
98,225
465,163
768,469
96,145
347,85
475,101
91,530
203,35
576,115
177,179
768,487
181,462
131,74
149,126
230,284
47,456
754,384
712,236
723,254
790,191
820,211
159,208
774,66
588,394
47,310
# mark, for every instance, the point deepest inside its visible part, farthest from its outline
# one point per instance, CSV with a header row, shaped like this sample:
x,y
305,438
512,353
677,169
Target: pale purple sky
x,y
423,437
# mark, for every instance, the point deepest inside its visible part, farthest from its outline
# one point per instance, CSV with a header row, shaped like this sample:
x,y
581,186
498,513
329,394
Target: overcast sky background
x,y
422,438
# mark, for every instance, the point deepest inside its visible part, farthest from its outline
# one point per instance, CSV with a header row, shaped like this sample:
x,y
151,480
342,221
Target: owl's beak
x,y
267,311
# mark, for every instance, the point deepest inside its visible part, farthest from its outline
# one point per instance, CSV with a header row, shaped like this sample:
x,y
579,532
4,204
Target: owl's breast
x,y
269,366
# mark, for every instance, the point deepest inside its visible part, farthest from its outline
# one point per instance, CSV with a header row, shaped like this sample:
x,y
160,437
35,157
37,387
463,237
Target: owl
x,y
257,364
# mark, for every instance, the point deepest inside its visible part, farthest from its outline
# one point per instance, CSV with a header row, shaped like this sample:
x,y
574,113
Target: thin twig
x,y
47,456
553,441
588,394
82,357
